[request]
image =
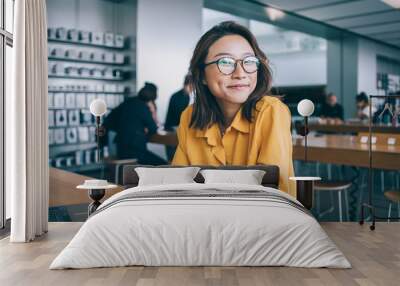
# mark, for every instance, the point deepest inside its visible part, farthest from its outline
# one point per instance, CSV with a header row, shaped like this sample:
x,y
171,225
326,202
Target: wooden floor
x,y
375,257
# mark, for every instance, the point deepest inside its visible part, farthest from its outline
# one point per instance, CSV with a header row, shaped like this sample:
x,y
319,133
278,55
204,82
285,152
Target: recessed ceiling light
x,y
274,14
394,3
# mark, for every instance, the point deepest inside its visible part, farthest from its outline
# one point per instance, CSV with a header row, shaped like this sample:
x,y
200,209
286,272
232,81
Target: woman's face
x,y
236,87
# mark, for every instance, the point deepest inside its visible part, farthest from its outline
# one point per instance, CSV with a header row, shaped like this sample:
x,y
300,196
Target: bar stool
x,y
338,186
394,197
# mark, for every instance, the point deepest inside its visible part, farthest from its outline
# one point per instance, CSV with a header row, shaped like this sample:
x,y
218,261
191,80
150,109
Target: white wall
x,y
93,15
299,68
210,18
167,32
367,63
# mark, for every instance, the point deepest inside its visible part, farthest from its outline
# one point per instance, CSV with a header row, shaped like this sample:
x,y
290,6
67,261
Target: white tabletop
x,y
305,178
89,187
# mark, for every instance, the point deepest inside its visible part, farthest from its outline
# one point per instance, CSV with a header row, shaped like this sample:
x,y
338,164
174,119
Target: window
x,y
6,43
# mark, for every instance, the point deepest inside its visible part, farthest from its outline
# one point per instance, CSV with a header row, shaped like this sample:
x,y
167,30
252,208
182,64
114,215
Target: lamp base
x,y
96,195
305,190
305,193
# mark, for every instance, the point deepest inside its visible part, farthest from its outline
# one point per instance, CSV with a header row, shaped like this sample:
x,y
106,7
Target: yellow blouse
x,y
266,140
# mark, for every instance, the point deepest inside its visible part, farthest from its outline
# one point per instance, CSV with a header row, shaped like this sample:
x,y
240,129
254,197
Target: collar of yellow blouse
x,y
213,133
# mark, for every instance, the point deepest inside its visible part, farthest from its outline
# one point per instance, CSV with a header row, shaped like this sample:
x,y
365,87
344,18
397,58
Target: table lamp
x,y
98,108
305,109
305,185
96,188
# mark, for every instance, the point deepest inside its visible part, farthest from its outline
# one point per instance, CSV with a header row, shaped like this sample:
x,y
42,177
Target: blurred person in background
x,y
134,122
363,106
331,109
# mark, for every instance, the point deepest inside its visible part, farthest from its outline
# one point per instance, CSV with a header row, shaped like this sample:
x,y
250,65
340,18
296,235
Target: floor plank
x,y
375,257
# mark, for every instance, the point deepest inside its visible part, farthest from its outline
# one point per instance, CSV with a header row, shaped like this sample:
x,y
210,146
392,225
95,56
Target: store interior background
x,y
308,59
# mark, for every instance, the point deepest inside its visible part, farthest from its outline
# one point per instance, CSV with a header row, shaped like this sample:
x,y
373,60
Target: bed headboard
x,y
271,178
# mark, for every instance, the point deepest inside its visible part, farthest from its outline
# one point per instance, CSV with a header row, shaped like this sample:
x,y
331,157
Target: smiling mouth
x,y
239,86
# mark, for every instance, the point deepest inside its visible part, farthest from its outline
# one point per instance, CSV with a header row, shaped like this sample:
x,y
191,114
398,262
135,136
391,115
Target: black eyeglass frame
x,y
235,65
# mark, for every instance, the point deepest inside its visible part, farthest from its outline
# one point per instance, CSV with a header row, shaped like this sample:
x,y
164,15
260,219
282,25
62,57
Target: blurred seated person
x,y
363,106
177,104
331,109
386,112
134,122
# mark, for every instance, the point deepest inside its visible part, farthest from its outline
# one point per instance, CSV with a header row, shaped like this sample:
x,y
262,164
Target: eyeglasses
x,y
227,65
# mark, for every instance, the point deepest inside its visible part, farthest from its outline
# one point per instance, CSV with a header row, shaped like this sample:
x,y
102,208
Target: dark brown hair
x,y
206,111
148,92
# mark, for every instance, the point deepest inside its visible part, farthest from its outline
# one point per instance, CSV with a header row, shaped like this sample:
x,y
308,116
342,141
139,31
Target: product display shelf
x,y
64,151
91,91
78,60
80,43
66,148
66,76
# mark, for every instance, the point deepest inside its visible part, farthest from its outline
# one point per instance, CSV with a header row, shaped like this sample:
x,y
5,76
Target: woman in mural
x,y
233,121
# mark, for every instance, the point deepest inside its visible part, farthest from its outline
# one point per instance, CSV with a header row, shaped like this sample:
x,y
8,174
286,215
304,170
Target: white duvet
x,y
190,231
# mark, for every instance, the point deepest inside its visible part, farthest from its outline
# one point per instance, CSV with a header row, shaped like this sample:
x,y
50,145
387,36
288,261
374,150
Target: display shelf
x,y
75,84
64,59
72,126
72,108
57,149
87,91
85,44
86,77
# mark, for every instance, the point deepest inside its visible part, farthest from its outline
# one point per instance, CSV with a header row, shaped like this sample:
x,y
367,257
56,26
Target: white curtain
x,y
26,124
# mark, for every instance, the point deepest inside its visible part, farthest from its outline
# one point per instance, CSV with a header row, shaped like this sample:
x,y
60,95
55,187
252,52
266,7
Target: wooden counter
x,y
62,189
346,150
347,127
334,149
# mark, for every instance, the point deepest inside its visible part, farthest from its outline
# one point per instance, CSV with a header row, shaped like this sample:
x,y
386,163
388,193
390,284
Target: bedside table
x,y
305,190
96,193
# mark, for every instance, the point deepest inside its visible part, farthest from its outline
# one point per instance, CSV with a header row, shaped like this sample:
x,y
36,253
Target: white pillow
x,y
249,177
164,176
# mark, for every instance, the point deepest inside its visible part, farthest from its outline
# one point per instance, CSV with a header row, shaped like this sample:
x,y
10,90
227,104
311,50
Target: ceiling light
x,y
393,3
274,14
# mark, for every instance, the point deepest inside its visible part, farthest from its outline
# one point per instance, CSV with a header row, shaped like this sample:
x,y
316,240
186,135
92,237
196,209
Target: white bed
x,y
225,225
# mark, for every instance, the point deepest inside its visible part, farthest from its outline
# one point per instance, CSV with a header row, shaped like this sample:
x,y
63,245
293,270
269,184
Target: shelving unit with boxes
x,y
388,83
83,65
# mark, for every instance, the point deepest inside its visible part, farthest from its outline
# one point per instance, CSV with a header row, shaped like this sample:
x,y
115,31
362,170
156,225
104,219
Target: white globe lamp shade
x,y
98,107
305,107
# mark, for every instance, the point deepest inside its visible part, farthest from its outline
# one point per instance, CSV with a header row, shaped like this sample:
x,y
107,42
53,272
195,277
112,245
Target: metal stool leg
x,y
346,202
389,212
398,209
340,206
